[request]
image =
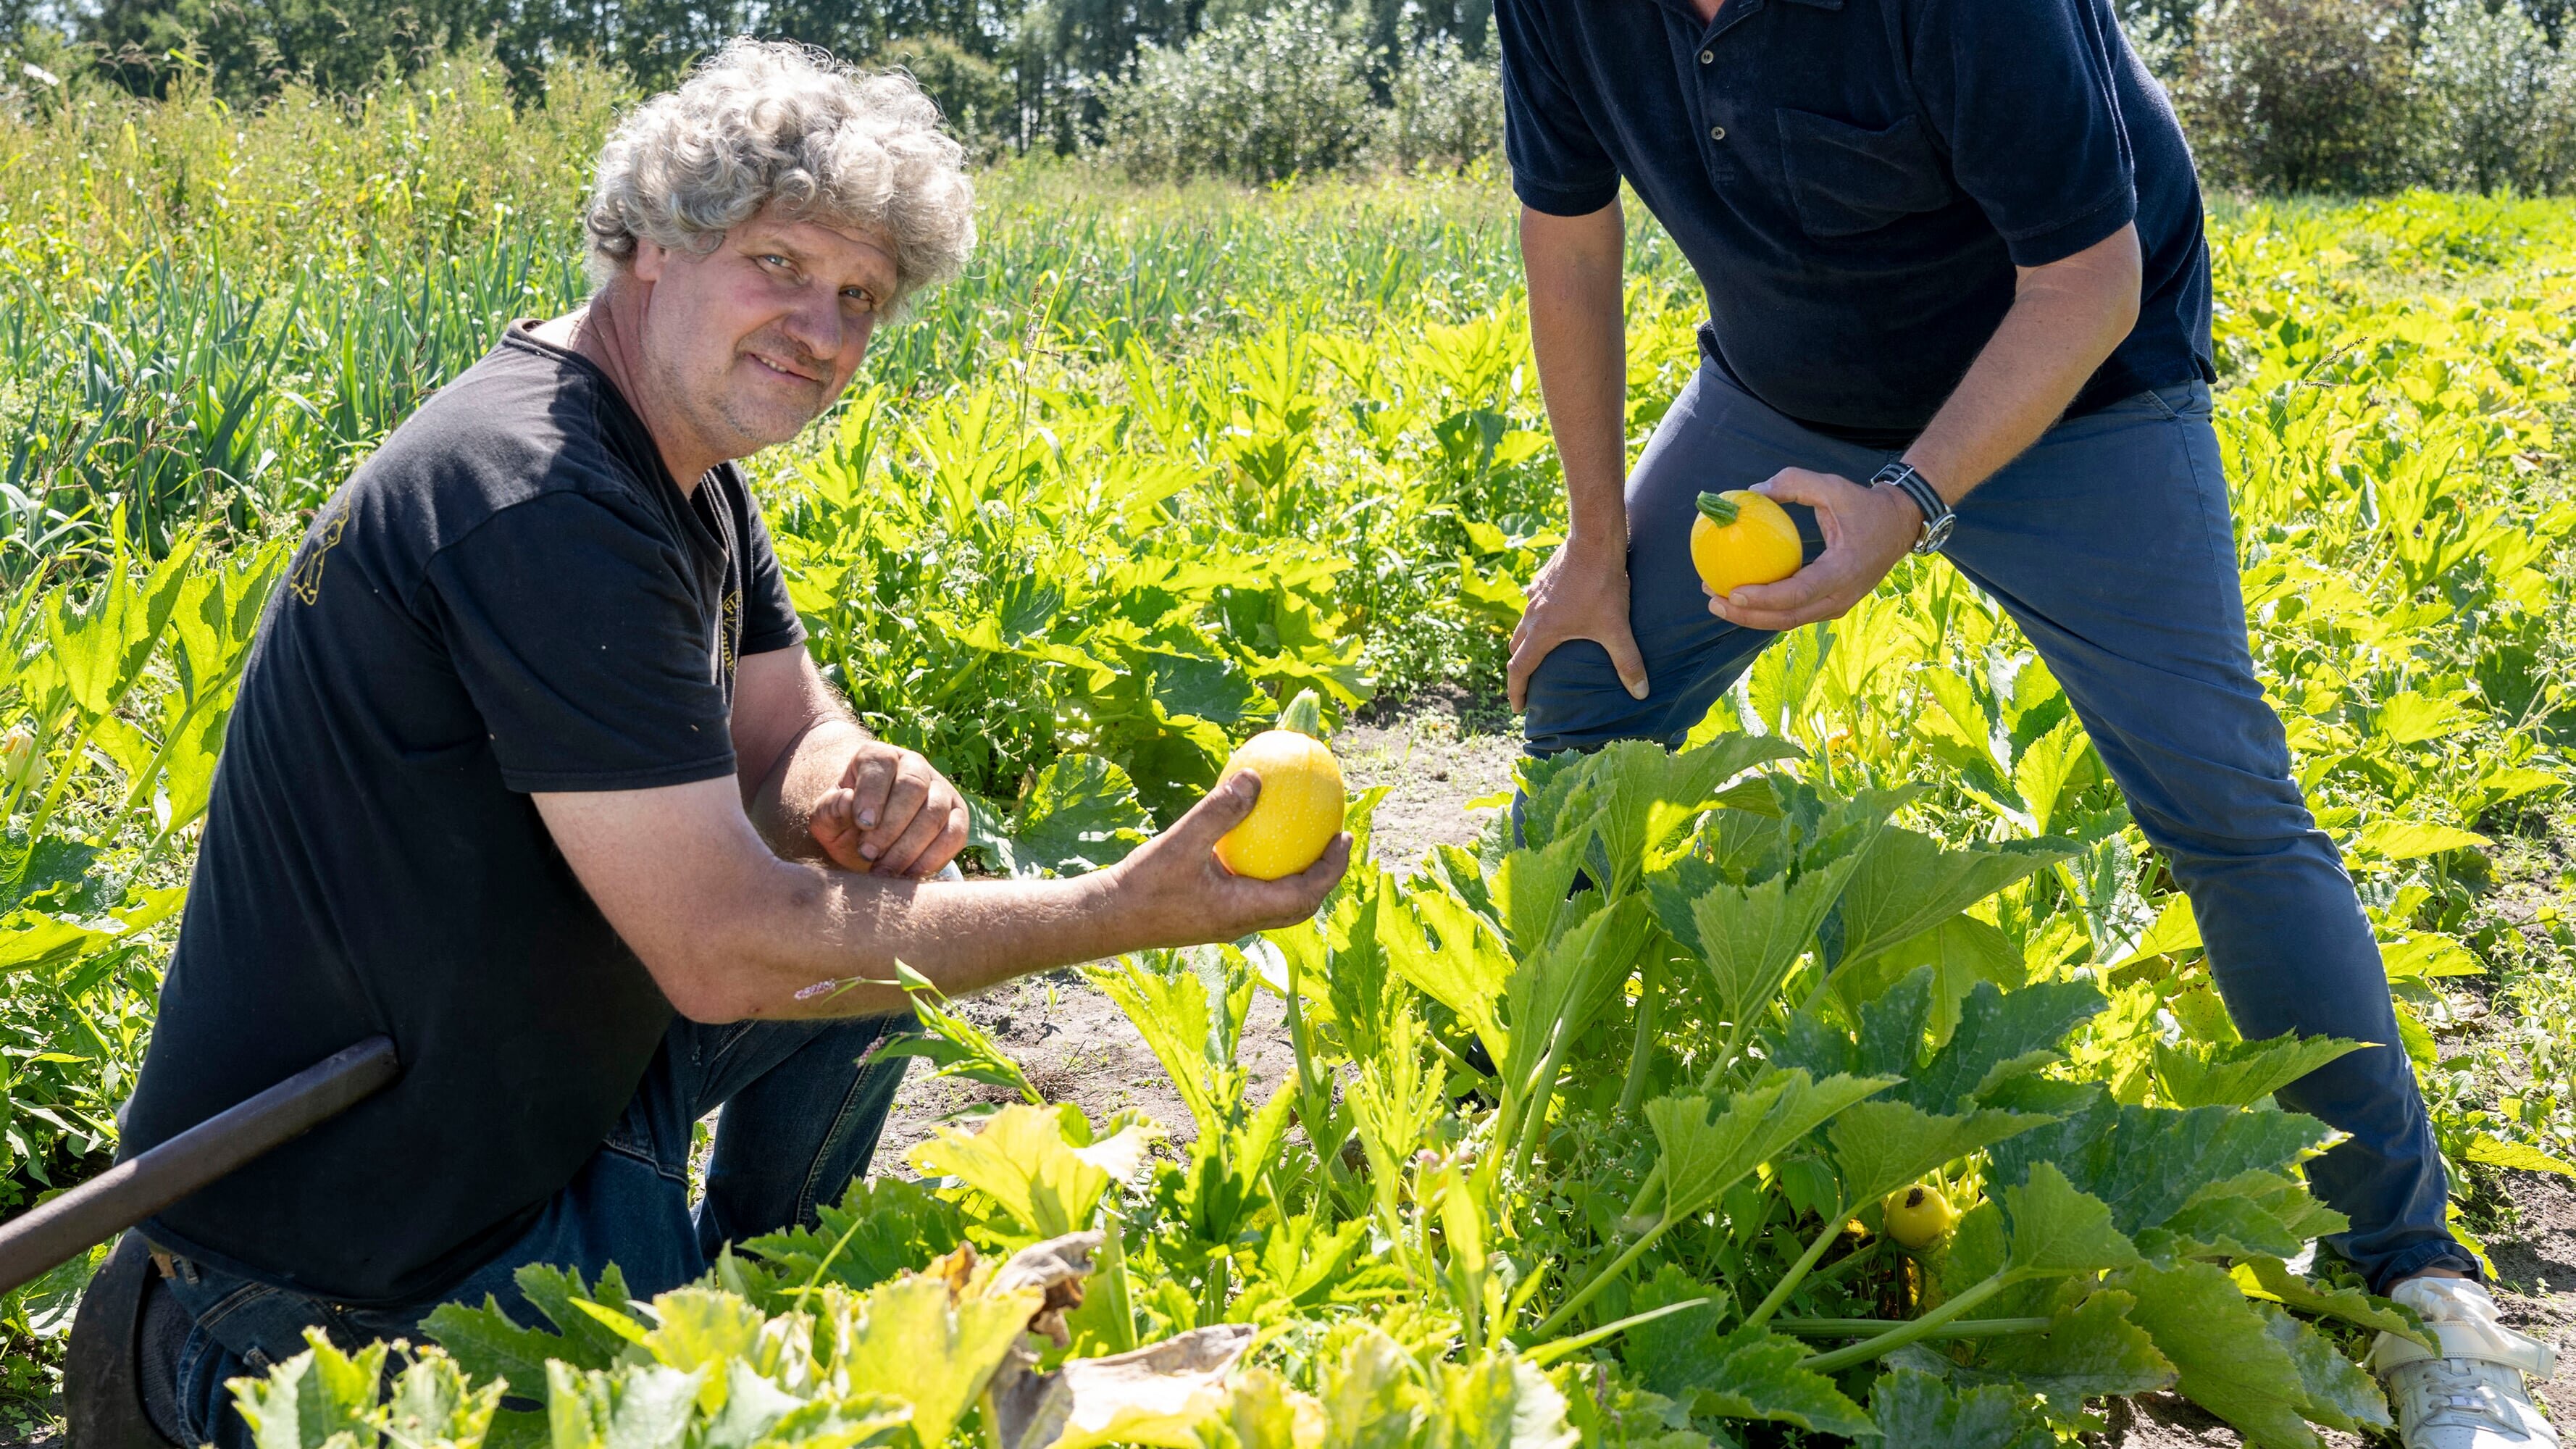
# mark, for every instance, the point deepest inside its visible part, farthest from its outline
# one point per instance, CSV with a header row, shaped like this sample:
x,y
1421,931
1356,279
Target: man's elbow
x,y
714,963
696,987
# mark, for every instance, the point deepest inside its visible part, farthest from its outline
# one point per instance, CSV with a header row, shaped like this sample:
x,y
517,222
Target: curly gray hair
x,y
763,121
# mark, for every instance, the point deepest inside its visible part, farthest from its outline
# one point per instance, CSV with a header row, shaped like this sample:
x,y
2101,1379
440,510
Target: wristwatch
x,y
1938,518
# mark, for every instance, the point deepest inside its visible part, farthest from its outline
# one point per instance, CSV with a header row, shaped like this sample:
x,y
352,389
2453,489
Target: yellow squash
x,y
1919,1216
1300,810
1743,538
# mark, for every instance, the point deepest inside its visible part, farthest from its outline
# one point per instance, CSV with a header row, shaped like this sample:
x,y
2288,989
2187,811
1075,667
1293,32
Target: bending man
x,y
1959,303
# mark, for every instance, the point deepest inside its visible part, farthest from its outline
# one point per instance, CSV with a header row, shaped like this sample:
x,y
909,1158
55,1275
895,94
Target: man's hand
x,y
1580,593
891,815
1180,894
1866,531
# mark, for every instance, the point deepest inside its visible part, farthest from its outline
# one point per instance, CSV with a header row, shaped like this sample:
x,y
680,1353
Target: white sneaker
x,y
2471,1396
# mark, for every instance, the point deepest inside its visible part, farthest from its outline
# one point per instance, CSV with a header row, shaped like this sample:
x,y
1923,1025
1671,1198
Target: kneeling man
x,y
531,773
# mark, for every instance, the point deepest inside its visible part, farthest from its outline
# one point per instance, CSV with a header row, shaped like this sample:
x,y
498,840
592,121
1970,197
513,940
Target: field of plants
x,y
1671,1159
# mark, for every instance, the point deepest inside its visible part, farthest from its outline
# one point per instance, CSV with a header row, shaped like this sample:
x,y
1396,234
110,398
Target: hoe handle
x,y
63,1228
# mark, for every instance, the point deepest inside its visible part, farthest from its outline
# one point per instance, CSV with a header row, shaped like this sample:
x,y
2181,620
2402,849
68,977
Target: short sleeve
x,y
1992,75
769,619
1558,165
574,626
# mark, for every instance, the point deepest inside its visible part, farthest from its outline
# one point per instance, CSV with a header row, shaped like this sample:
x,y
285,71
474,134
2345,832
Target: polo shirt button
x,y
1717,133
1707,56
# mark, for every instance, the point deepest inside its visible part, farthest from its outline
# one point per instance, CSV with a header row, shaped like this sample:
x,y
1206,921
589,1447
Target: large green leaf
x,y
644,1407
2235,1360
1753,1373
2352,1305
1881,1146
1080,813
1530,890
1709,1144
1025,1160
2147,1162
2089,1349
1960,952
2240,1073
2057,1229
918,1341
1748,939
488,1344
1635,795
1557,992
1908,883
2000,1035
1910,1409
882,1226
1460,963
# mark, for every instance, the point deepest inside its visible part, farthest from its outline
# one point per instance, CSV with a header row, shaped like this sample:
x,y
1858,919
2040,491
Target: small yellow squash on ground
x,y
1743,538
1300,810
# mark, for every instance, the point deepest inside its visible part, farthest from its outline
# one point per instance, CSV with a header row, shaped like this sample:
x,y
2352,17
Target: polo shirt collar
x,y
1735,10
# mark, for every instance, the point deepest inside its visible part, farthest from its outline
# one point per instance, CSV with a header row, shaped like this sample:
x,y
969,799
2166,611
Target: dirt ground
x,y
1076,1045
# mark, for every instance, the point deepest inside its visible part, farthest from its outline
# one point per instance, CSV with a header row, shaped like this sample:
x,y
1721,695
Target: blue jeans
x,y
2109,543
802,1111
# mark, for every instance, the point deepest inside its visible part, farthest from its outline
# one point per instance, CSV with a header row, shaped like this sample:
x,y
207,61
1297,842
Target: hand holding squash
x,y
1302,797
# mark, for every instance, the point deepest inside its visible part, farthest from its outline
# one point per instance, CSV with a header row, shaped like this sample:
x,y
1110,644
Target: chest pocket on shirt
x,y
1848,179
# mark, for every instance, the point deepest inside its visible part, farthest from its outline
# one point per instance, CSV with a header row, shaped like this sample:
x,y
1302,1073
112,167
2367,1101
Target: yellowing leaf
x,y
2412,840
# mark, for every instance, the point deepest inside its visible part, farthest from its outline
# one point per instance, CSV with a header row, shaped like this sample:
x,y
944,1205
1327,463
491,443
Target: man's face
x,y
745,345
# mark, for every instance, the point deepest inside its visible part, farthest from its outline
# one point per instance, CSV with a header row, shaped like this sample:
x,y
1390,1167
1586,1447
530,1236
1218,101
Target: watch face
x,y
1936,533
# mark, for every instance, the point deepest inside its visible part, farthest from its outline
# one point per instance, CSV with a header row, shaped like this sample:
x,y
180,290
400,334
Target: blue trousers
x,y
2109,543
802,1111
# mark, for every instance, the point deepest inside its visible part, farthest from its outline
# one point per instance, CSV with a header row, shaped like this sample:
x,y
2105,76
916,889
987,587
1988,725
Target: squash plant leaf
x,y
917,1340
882,1226
2240,1073
2272,1277
643,1407
487,1343
2231,1358
1753,1373
1673,1354
2089,1349
1959,952
2147,1162
1914,1410
1530,888
1558,991
1709,1144
313,1396
1748,938
1023,1160
1080,814
1907,883
2059,1230
1881,1146
2001,1035
1462,963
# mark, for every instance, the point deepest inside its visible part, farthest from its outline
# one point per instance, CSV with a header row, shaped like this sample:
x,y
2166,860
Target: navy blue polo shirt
x,y
1855,180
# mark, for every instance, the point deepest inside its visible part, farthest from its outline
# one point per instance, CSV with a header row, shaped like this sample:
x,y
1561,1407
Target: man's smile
x,y
781,369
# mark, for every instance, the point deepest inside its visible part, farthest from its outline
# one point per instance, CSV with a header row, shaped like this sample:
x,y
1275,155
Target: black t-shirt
x,y
1855,180
512,595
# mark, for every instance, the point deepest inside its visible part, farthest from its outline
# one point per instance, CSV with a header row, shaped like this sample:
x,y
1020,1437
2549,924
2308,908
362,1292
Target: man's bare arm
x,y
819,787
1578,332
2066,317
731,931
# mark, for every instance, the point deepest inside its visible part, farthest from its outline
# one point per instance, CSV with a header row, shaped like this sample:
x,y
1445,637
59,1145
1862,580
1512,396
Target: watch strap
x,y
1938,516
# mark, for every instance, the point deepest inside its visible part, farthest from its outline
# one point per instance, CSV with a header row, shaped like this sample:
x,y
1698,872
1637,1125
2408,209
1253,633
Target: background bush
x,y
2300,95
1258,98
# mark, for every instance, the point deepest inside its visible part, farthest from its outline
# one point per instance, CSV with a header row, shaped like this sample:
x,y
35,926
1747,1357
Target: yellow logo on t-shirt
x,y
306,581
